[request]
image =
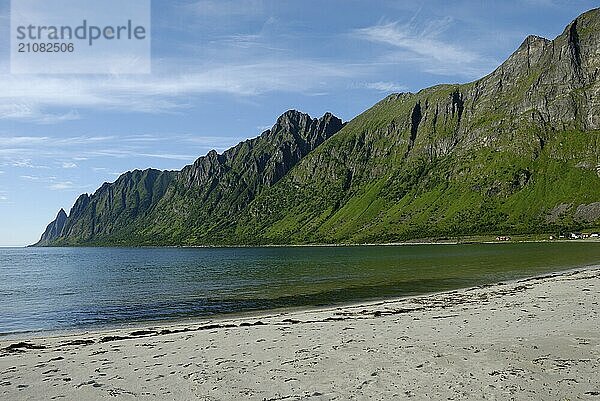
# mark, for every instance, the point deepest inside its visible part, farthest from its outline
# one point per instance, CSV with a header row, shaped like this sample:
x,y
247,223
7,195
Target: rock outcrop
x,y
54,229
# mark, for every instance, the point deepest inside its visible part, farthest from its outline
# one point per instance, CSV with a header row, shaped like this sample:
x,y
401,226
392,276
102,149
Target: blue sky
x,y
223,71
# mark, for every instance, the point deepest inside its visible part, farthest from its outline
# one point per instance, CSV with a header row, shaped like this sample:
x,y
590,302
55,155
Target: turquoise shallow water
x,y
65,288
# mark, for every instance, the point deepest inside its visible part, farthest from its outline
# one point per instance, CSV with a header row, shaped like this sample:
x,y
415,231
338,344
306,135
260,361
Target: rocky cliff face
x,y
198,203
261,161
54,229
517,151
208,196
116,206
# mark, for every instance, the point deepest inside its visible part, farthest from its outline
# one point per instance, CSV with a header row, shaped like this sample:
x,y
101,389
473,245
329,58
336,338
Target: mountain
x,y
517,151
54,229
199,203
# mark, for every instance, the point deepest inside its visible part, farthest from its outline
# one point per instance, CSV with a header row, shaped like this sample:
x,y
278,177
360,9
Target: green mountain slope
x,y
197,204
517,151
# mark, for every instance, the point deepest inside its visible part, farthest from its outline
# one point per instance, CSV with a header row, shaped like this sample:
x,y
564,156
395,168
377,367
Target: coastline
x,y
535,336
183,322
425,241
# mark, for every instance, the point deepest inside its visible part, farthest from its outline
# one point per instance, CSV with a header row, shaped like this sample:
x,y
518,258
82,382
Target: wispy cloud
x,y
125,153
32,112
30,177
13,158
385,86
47,118
23,140
31,98
31,152
226,8
62,185
52,182
244,79
425,45
39,178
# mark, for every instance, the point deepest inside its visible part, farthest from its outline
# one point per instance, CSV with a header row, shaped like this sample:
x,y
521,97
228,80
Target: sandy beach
x,y
532,339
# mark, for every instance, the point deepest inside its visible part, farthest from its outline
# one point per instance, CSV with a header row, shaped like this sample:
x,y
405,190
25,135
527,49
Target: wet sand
x,y
531,339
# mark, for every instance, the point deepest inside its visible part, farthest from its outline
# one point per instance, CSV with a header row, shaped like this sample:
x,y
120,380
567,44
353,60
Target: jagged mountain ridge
x,y
172,206
516,151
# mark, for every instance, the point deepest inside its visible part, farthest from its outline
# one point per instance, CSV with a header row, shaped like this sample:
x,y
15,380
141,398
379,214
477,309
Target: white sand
x,y
535,339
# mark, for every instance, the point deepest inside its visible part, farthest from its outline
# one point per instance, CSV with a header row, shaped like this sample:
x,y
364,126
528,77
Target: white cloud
x,y
23,140
385,86
125,153
38,178
46,118
238,79
169,156
424,43
58,186
30,98
65,152
30,177
20,162
226,8
425,46
52,182
32,112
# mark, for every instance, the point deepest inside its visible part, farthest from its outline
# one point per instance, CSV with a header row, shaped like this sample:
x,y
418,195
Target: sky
x,y
223,71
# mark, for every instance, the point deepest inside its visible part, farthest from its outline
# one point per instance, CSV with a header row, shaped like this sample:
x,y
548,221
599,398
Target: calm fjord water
x,y
63,288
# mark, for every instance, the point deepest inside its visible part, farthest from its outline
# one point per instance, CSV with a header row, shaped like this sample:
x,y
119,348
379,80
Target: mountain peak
x,y
290,121
292,114
295,116
328,116
527,54
534,39
302,124
54,229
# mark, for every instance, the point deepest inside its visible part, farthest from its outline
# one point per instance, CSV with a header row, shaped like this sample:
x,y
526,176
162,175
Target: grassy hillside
x,y
515,152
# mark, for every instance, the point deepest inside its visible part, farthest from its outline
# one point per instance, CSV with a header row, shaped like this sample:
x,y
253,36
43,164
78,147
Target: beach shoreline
x,y
530,338
252,314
